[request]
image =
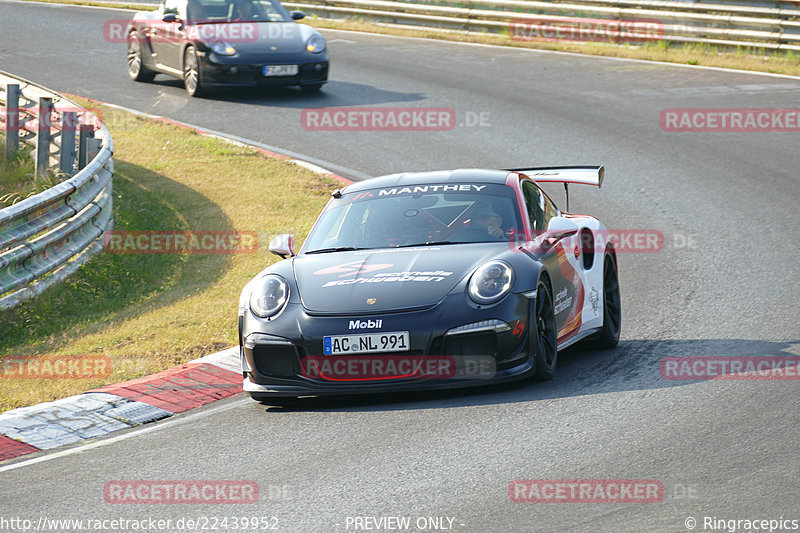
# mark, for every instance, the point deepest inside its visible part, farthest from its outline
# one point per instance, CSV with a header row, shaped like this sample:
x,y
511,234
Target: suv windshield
x,y
416,216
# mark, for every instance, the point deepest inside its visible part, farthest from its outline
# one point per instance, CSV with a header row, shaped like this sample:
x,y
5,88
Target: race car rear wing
x,y
583,175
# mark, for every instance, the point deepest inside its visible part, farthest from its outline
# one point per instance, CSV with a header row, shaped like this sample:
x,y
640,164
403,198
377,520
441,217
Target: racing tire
x,y
192,73
608,336
544,335
136,69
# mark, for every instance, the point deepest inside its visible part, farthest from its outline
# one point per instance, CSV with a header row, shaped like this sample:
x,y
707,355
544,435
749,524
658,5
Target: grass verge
x,y
17,180
148,312
754,59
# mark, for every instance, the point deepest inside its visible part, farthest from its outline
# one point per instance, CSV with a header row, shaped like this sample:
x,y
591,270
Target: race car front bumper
x,y
478,346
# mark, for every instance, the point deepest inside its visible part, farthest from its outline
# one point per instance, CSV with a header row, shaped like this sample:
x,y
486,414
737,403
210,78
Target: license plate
x,y
396,341
280,70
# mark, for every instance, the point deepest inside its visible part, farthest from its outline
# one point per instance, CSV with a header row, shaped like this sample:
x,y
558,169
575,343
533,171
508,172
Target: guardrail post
x,y
63,225
84,149
69,123
11,119
43,136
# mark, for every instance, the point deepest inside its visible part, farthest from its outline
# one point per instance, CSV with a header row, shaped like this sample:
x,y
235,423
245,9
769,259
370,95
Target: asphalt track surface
x,y
724,449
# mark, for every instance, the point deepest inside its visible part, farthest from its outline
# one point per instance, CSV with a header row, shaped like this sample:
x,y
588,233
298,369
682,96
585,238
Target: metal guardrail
x,y
767,24
45,237
723,23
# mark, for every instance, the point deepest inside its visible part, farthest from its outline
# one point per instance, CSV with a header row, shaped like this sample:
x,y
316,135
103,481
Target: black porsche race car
x,y
430,280
226,43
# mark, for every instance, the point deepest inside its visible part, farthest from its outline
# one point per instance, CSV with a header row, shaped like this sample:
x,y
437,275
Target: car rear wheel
x,y
136,69
545,338
192,74
608,337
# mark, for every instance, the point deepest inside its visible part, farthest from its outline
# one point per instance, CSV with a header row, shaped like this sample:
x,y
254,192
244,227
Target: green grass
x,y
17,180
148,312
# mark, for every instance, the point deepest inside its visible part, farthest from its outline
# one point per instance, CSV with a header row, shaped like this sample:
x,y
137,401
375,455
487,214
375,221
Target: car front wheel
x,y
544,335
192,74
136,69
608,337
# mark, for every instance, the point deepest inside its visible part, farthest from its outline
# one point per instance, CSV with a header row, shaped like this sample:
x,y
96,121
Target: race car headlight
x,y
490,282
315,44
222,49
269,295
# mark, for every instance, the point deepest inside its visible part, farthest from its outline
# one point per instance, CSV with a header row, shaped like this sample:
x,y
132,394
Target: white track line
x,y
572,54
312,163
521,49
130,434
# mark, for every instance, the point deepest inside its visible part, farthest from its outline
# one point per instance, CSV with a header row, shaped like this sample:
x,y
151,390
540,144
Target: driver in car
x,y
245,11
486,225
491,222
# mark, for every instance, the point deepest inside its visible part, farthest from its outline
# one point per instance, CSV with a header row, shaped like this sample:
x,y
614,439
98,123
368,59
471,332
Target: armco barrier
x,y
772,25
45,237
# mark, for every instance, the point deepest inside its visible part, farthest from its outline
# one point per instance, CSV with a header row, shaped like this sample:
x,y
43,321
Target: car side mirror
x,y
282,245
297,15
560,227
170,17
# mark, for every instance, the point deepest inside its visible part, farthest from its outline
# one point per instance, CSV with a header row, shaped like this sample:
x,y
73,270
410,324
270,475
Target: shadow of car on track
x,y
333,94
633,365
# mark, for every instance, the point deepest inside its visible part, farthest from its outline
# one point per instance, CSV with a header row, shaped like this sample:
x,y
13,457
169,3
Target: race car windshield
x,y
417,216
